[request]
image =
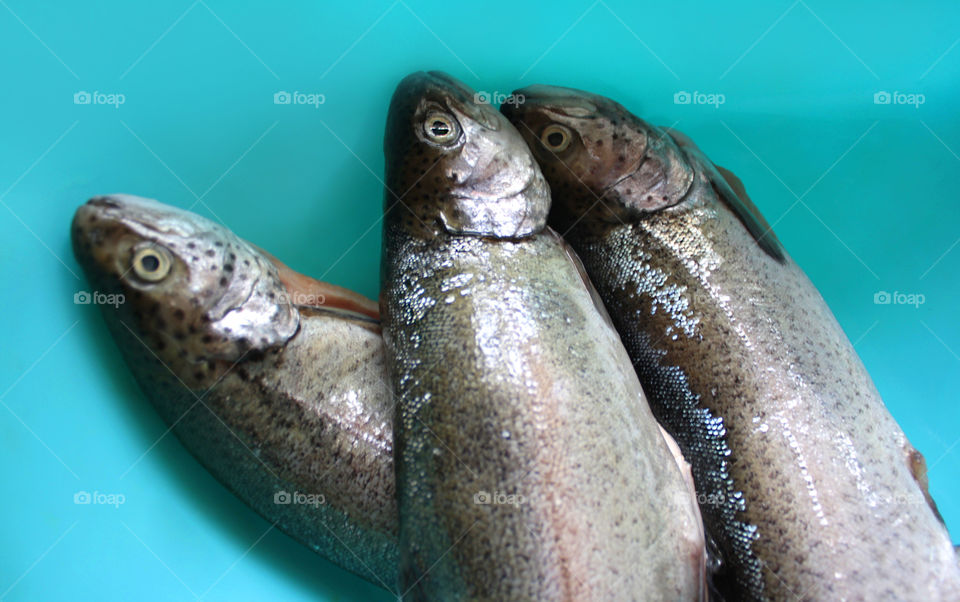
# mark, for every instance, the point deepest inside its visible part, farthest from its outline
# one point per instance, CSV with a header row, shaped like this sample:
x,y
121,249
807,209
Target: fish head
x,y
456,164
192,292
599,159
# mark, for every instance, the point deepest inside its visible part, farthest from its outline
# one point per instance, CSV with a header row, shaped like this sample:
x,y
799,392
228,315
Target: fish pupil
x,y
439,128
555,139
150,263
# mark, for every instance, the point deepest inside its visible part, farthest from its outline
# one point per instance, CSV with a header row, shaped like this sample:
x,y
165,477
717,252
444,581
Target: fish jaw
x,y
483,182
219,300
614,164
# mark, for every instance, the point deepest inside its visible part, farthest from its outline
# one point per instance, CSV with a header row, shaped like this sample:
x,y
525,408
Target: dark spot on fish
x,y
178,314
218,244
210,253
191,245
228,267
223,282
207,338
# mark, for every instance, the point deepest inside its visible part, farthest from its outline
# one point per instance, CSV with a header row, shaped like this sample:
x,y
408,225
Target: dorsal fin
x,y
322,294
731,191
729,187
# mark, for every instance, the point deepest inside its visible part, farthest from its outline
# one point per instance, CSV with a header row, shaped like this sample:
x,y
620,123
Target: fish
x,y
528,463
274,381
808,487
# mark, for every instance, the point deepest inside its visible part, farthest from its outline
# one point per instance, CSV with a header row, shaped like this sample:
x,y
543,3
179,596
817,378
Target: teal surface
x,y
862,193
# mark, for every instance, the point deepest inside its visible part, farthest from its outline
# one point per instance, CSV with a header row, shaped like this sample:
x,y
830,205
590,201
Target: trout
x,y
528,463
274,381
807,485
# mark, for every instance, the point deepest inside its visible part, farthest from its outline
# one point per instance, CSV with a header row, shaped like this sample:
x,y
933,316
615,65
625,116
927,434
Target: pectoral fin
x,y
307,291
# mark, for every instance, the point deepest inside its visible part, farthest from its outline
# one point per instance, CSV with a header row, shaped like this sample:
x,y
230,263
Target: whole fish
x,y
806,483
528,463
280,397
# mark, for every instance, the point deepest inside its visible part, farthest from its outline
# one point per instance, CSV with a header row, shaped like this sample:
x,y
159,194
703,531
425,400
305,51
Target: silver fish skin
x,y
806,483
529,466
280,397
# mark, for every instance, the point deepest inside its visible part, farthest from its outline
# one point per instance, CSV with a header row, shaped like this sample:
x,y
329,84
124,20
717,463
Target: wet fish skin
x,y
271,391
806,482
528,463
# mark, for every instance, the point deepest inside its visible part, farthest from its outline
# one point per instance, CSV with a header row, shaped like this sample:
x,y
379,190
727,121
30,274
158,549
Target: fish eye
x,y
556,137
151,264
441,128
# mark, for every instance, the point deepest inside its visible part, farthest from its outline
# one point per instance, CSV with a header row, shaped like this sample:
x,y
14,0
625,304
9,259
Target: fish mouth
x,y
557,100
512,213
450,92
144,215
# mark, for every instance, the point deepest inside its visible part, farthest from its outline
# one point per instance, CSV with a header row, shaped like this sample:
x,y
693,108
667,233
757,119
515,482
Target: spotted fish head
x,y
194,294
598,158
457,165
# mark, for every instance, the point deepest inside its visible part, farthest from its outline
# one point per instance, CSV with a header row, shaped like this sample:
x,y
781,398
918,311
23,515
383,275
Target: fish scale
x,y
288,400
529,465
807,485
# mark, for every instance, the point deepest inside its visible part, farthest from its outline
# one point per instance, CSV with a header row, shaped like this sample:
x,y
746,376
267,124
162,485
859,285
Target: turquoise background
x,y
878,211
